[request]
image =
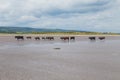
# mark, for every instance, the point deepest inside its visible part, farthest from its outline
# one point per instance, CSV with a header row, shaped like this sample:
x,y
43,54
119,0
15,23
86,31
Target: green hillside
x,y
30,30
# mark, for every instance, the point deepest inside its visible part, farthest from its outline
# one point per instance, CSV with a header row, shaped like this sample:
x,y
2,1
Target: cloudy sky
x,y
88,15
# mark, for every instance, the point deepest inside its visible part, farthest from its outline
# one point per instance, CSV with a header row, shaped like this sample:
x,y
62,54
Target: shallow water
x,y
75,60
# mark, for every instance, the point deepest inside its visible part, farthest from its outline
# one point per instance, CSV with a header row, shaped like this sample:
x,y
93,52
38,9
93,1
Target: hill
x,y
29,30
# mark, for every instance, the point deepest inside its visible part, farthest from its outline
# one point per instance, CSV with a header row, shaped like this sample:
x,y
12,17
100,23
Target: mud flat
x,y
60,60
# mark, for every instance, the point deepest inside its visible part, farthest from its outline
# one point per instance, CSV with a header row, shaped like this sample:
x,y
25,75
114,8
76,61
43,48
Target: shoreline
x,y
3,35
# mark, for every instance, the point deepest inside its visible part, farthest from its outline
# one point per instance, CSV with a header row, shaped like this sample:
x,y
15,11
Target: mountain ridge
x,y
29,29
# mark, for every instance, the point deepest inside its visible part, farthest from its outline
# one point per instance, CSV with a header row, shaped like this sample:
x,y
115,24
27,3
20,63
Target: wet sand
x,y
60,60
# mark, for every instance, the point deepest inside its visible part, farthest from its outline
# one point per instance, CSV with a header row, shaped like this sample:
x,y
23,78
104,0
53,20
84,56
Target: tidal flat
x,y
81,59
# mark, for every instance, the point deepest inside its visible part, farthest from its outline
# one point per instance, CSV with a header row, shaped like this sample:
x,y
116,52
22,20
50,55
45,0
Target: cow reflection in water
x,y
19,37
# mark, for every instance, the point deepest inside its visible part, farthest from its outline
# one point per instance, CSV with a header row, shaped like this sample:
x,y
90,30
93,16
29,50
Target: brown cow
x,y
101,38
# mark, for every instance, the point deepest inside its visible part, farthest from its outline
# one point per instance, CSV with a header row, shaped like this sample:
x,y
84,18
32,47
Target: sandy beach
x,y
81,59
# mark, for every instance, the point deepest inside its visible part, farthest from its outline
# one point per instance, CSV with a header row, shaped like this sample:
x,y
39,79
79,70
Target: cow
x,y
72,38
37,38
19,37
92,38
64,38
43,38
50,38
101,38
28,37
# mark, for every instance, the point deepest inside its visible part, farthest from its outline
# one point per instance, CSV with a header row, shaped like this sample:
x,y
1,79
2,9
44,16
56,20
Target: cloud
x,y
90,15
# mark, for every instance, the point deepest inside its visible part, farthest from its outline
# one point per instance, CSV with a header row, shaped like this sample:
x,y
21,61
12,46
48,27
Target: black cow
x,y
43,38
50,38
72,38
28,37
101,38
92,38
19,37
37,38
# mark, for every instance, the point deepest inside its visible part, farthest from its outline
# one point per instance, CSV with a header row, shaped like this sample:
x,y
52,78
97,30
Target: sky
x,y
87,15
